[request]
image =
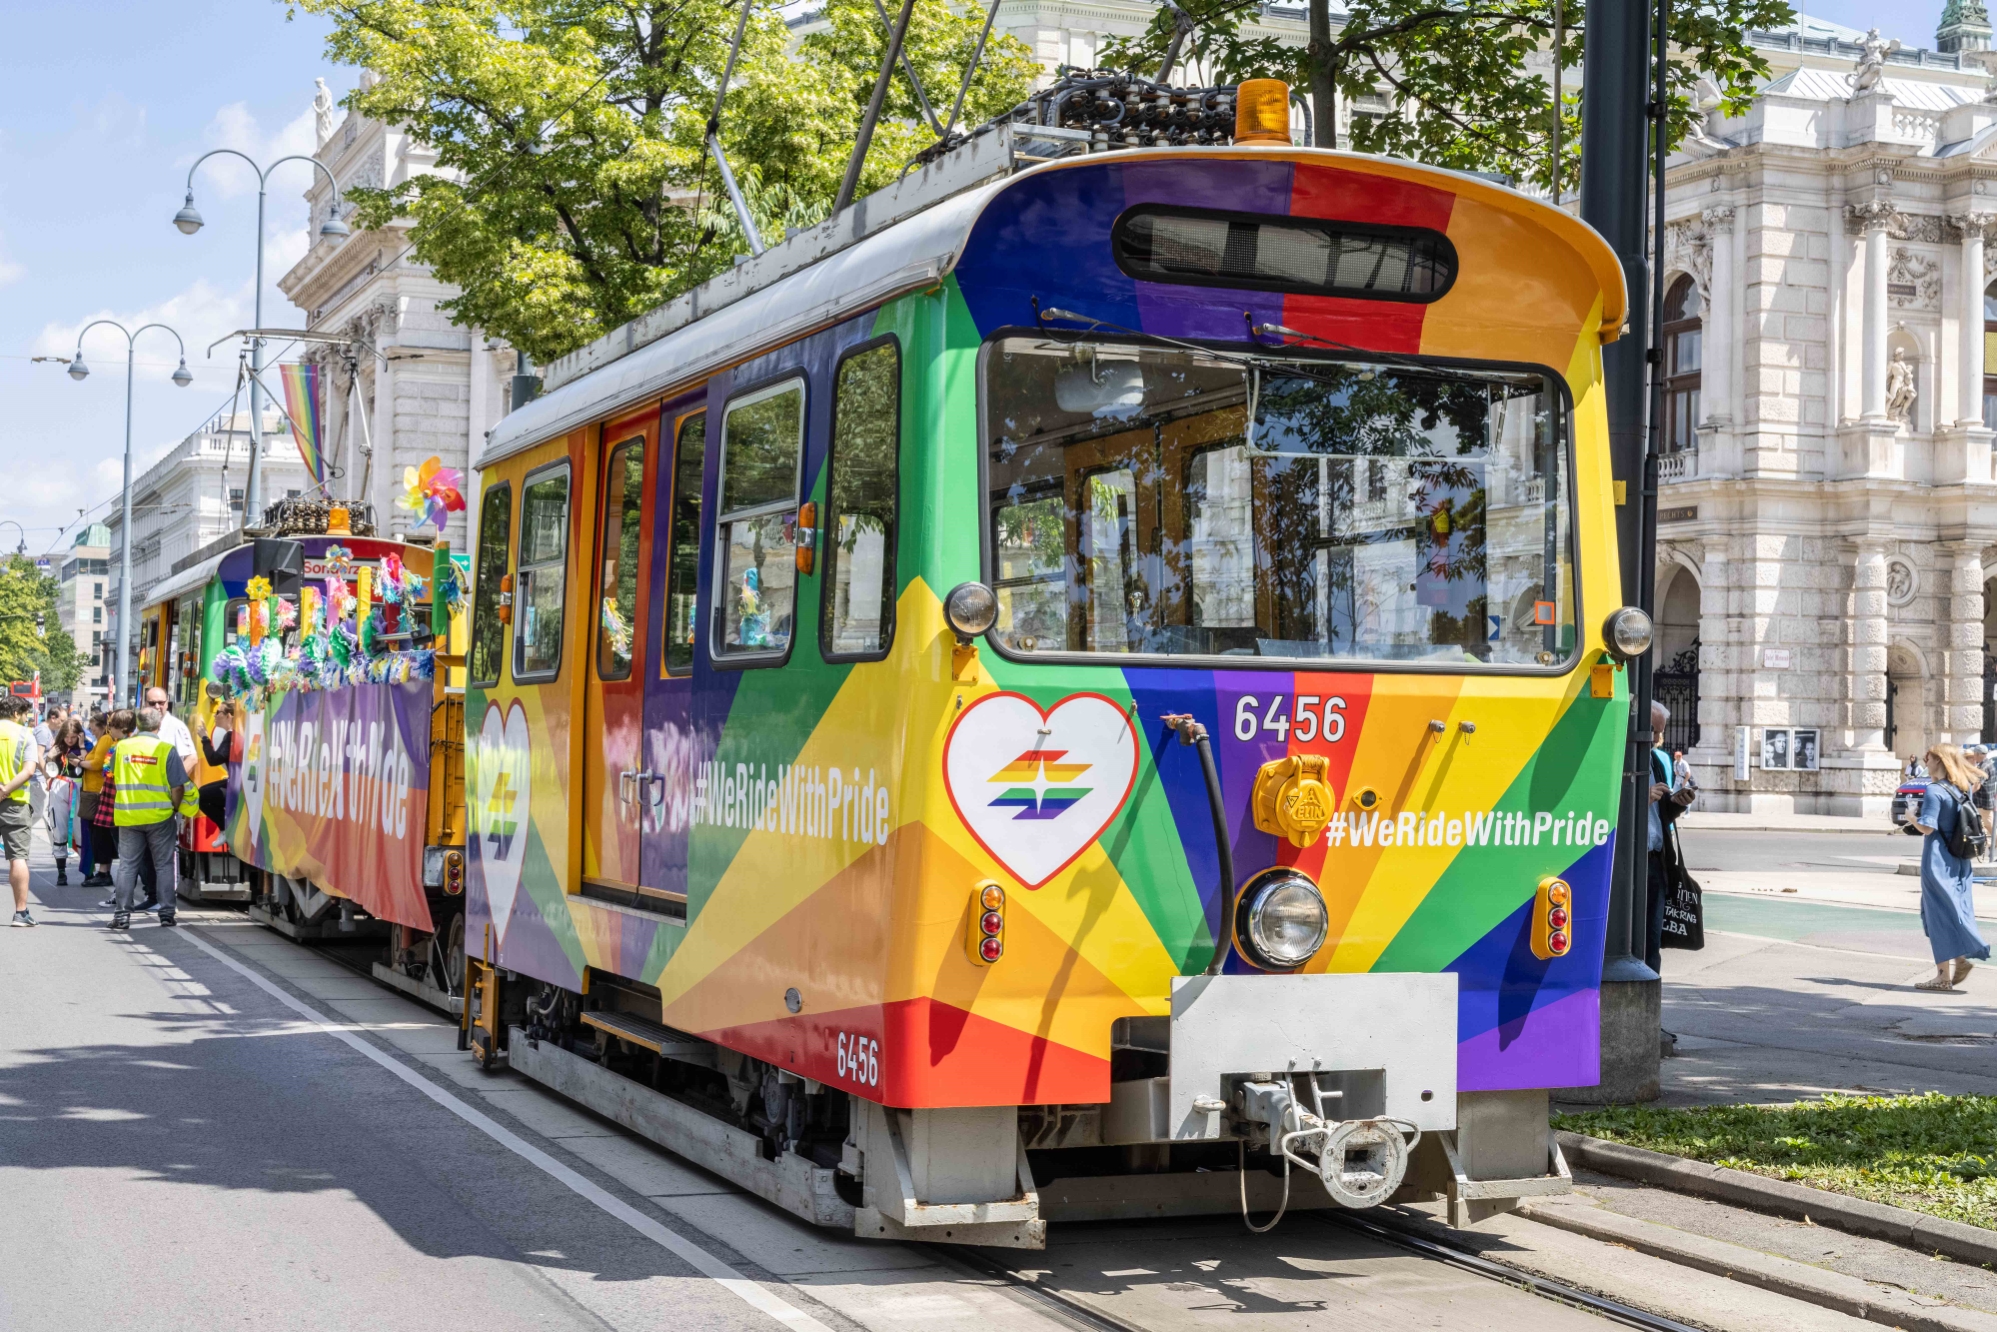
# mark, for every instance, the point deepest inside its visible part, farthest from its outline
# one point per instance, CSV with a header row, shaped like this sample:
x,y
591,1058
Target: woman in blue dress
x,y
1948,908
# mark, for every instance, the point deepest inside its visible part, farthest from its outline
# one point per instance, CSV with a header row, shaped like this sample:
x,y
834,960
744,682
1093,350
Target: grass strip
x,y
1932,1153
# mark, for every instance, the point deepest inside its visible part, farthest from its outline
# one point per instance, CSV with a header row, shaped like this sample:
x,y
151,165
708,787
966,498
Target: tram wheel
x,y
454,955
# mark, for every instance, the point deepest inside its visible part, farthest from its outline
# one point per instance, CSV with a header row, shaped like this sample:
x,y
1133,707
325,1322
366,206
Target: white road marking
x,y
686,1250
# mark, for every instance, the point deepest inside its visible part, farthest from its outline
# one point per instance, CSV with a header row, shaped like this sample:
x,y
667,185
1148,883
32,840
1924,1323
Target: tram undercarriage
x,y
1189,1129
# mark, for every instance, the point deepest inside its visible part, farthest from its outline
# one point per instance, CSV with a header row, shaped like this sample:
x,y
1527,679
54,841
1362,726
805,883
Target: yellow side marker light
x,y
1552,919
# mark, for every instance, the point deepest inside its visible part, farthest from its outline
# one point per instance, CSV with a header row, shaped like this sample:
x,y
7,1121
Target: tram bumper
x,y
1355,1074
1383,1045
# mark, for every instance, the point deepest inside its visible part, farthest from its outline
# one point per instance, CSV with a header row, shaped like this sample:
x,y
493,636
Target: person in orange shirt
x,y
93,787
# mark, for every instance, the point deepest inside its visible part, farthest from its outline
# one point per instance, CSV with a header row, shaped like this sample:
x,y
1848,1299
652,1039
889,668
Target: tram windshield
x,y
1376,513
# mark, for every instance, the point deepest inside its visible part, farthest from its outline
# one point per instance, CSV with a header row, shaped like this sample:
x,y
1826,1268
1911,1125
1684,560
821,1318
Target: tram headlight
x,y
1281,920
971,609
1628,632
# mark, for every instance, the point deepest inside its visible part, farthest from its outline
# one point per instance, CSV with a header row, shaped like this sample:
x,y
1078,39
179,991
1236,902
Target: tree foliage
x,y
577,190
1462,83
31,635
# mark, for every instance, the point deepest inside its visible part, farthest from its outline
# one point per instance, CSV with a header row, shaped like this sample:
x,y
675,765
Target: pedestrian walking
x,y
97,850
1953,832
20,757
151,788
63,764
1681,769
1667,802
44,739
104,821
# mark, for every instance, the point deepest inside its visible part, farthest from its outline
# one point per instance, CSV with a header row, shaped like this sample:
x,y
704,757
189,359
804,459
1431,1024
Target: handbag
x,y
1684,903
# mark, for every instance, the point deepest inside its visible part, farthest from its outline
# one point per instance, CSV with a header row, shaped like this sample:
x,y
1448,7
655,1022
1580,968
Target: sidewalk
x,y
1716,821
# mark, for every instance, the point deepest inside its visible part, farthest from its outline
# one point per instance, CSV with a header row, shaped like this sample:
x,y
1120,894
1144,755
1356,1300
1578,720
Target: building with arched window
x,y
1828,511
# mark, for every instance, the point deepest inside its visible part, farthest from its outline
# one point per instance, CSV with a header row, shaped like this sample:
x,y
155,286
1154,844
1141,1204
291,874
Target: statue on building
x,y
1900,390
1965,26
1871,61
322,110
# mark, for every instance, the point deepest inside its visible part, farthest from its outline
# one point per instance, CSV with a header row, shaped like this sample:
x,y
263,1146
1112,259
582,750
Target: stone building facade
x,y
82,575
428,387
1828,506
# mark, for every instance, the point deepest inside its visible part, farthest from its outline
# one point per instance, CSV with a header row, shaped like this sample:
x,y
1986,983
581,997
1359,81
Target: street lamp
x,y
189,221
78,370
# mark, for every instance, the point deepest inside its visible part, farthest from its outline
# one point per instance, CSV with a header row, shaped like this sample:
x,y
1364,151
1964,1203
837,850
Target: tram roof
x,y
853,262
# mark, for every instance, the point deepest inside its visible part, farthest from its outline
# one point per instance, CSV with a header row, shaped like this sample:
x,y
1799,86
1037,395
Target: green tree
x,y
1451,76
578,191
31,635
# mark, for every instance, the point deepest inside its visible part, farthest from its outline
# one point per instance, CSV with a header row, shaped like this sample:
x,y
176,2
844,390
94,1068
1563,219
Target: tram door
x,y
616,782
672,748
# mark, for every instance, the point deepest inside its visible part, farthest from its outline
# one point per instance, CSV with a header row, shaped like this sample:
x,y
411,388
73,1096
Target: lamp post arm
x,y
113,323
134,335
232,152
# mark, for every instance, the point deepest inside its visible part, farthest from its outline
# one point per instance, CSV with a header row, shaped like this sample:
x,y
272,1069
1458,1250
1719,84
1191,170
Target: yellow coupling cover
x,y
1292,799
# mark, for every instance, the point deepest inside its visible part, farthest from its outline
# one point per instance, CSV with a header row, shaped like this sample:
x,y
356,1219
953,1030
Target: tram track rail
x,y
1082,1314
1088,1317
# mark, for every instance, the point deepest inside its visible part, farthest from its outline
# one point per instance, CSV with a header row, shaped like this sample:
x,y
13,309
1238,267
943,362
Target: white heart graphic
x,y
1035,788
501,780
253,780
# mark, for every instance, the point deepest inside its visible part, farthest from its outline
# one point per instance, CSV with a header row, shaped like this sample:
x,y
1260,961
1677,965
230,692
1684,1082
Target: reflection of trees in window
x,y
1384,512
683,567
863,478
494,537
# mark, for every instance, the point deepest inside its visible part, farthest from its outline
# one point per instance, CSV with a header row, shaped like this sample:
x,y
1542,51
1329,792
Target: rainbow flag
x,y
301,401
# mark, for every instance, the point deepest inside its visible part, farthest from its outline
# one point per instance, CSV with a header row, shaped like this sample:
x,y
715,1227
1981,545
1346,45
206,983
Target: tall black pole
x,y
1615,156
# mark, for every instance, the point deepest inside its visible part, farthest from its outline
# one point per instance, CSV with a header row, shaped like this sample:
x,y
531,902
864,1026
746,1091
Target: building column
x,y
1723,326
1974,228
1962,688
1876,219
1865,678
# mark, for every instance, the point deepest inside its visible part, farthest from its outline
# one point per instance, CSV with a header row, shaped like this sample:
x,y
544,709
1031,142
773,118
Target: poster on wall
x,y
320,767
1789,749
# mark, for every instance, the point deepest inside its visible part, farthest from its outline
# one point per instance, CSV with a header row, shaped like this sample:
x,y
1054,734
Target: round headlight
x,y
1281,920
971,609
1628,632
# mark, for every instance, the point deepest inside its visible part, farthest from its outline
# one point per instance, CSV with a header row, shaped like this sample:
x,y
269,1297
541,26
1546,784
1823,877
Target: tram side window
x,y
683,569
862,489
538,600
624,494
762,443
495,516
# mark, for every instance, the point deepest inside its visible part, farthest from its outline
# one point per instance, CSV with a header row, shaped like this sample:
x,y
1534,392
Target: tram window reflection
x,y
538,601
762,443
495,517
1375,513
617,582
683,569
862,489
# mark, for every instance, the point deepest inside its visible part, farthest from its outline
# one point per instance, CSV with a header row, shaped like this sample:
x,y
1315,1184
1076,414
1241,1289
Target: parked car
x,y
1907,800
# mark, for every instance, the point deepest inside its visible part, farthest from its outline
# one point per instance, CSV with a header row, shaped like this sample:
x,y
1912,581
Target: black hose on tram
x,y
1192,733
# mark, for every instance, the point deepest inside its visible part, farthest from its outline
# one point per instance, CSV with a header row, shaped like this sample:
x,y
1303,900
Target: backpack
x,y
1969,840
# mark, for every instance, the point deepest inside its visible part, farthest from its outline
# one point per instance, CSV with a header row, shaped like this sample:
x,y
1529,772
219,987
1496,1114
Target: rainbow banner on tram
x,y
332,789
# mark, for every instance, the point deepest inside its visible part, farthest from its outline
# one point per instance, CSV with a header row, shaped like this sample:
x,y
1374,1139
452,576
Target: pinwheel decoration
x,y
433,492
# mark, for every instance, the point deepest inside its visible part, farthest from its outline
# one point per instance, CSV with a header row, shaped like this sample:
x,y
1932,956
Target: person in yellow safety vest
x,y
20,757
152,787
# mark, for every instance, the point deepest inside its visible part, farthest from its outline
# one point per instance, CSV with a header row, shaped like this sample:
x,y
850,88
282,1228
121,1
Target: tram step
x,y
661,1040
427,995
790,1181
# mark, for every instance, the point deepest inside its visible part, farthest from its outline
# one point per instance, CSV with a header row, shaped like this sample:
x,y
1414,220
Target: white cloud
x,y
233,126
200,313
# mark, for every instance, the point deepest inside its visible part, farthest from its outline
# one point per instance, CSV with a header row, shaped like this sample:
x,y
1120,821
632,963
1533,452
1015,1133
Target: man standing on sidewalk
x,y
151,784
20,759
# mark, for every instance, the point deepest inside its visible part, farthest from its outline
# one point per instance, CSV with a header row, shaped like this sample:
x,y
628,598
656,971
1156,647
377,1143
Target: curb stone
x,y
1850,1295
1900,1225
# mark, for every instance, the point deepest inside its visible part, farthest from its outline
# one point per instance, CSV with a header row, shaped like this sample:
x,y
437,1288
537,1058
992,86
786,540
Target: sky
x,y
103,108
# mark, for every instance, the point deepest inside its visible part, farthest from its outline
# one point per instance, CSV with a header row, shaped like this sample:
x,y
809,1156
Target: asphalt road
x,y
1717,849
212,1127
